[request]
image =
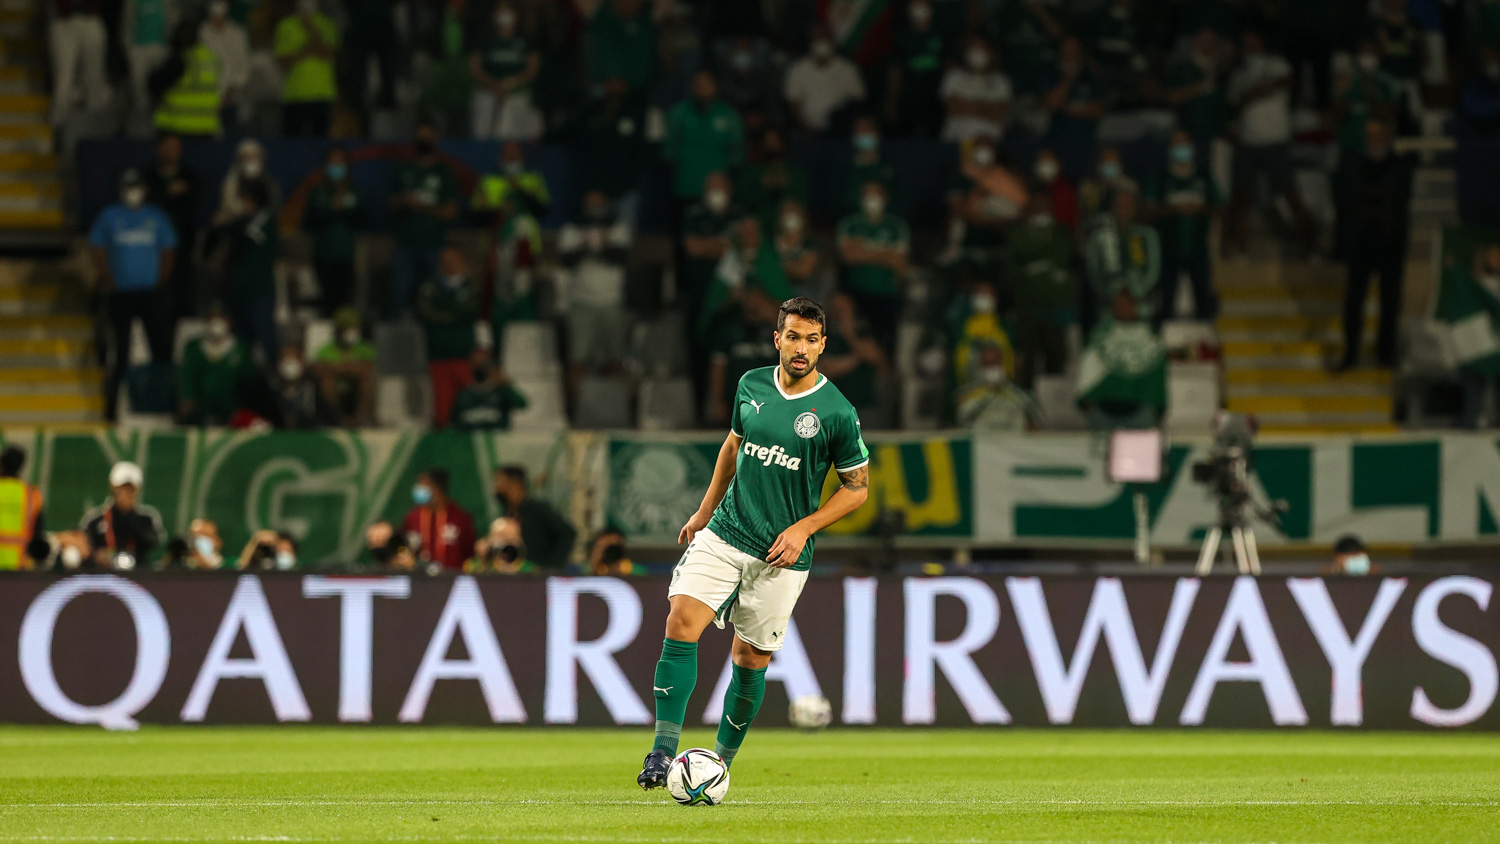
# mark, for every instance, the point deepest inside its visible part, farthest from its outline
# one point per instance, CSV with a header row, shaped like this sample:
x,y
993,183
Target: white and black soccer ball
x,y
810,712
698,777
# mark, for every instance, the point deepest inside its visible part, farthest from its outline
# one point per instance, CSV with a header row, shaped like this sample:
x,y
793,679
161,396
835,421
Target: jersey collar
x,y
776,379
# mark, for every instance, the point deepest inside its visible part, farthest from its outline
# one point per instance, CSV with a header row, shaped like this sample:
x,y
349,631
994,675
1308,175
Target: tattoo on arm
x,y
856,479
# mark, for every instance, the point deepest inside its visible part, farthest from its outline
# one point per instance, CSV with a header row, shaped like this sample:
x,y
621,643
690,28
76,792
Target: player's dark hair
x,y
514,472
11,461
439,478
804,307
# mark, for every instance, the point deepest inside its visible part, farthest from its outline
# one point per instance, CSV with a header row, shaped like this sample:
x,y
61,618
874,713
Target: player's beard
x,y
792,374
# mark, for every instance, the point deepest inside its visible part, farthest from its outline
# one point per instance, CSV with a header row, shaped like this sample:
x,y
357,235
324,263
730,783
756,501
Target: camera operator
x,y
386,547
269,550
607,557
501,551
122,531
1227,473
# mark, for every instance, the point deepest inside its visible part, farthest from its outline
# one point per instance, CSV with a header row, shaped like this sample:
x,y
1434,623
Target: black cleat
x,y
654,769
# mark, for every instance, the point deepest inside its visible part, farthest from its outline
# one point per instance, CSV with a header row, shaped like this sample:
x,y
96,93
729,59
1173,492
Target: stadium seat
x,y
530,350
666,404
660,346
315,335
1055,396
403,402
544,405
400,349
603,403
1192,397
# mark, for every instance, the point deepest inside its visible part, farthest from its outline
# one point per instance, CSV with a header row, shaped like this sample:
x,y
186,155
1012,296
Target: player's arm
x,y
854,489
723,474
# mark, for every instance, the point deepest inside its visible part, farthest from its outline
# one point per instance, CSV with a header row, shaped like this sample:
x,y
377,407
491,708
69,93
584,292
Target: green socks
x,y
747,688
676,674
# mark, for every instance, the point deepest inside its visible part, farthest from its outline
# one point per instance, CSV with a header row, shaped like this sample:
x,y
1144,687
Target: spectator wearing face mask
x,y
751,265
822,87
299,404
253,243
1375,223
704,136
1479,101
133,246
489,400
334,215
867,163
706,232
800,260
437,529
1183,200
423,203
504,66
991,402
448,308
1097,194
1364,93
769,180
595,252
1195,88
1048,176
228,40
511,202
1039,258
249,168
269,550
977,326
205,546
913,101
1259,90
986,199
1351,557
307,44
212,378
976,95
1075,98
122,532
1123,255
748,76
345,369
874,246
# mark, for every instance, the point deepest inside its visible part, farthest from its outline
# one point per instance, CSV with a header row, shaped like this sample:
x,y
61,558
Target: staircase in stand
x,y
48,373
32,213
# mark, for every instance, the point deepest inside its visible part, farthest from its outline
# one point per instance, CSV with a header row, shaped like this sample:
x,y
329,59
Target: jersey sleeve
x,y
848,443
737,425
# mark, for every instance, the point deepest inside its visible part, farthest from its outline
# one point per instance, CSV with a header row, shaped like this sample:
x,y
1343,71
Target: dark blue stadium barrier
x,y
1477,165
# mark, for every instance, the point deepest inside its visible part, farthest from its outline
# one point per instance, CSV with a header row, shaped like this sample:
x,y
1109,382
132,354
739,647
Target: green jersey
x,y
787,444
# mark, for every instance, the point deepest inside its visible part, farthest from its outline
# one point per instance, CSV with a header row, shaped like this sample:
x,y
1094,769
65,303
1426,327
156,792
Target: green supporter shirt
x,y
1039,261
502,58
150,23
698,273
311,79
253,246
1184,236
1066,130
1368,92
887,231
333,221
920,57
761,188
1131,262
1203,115
213,384
859,384
621,48
742,347
1025,44
857,174
787,446
478,407
700,141
433,186
333,353
449,316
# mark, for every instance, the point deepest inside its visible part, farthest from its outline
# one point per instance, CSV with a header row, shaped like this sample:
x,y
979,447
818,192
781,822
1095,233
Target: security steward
x,y
23,539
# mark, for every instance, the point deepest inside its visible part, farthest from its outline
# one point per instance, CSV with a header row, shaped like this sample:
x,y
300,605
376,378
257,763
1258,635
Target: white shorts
x,y
755,596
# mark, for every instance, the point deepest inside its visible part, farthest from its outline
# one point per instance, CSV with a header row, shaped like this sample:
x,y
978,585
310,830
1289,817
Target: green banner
x,y
655,483
324,487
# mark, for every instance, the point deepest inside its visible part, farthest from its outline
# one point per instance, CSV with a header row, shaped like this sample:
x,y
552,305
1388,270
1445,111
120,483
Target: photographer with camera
x,y
387,548
1227,474
607,557
269,550
122,532
500,551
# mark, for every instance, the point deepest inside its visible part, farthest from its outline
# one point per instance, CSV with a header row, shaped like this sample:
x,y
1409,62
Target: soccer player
x,y
750,544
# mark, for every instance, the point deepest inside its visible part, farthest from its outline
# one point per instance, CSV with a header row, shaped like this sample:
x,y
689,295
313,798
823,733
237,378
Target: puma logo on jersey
x,y
773,454
757,405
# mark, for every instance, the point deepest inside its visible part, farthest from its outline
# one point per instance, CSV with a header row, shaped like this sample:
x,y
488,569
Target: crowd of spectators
x,y
1047,236
436,535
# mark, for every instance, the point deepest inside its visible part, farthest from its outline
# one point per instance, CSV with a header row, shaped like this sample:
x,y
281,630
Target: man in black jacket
x,y
547,537
173,187
122,532
1375,224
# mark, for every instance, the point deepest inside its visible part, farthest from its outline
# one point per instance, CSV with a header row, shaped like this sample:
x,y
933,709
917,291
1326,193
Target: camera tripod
x,y
1241,536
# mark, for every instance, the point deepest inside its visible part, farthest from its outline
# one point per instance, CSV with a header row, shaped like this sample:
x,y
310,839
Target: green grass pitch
x,y
839,787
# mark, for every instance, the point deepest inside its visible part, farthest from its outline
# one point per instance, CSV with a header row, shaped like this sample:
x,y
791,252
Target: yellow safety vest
x,y
19,504
191,106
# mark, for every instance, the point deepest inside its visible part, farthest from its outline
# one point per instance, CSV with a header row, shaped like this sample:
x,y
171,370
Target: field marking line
x,y
316,803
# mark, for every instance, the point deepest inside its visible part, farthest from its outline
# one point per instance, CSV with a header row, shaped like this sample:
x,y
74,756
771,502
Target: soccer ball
x,y
810,712
698,777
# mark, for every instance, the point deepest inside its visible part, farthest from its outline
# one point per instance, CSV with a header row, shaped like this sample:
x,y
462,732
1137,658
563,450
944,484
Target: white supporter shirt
x,y
990,86
232,45
1268,120
818,91
597,281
